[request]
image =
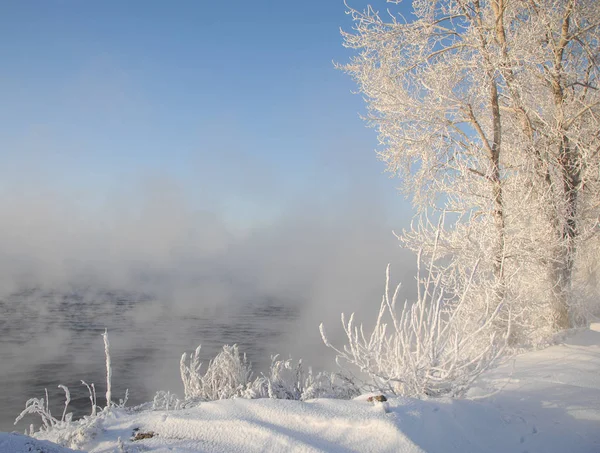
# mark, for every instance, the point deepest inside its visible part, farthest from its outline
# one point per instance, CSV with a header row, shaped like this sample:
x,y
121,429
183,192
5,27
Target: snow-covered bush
x,y
295,382
66,432
424,348
75,434
329,385
41,407
284,381
229,375
165,400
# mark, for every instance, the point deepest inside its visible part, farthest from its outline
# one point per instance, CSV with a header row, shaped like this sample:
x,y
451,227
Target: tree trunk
x,y
566,209
570,178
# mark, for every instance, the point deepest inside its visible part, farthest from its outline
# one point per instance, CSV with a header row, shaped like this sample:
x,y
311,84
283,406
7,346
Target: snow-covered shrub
x,y
227,375
283,381
295,382
92,392
75,434
41,407
66,432
165,400
424,348
329,385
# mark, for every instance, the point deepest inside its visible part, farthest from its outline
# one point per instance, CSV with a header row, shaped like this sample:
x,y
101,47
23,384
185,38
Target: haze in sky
x,y
208,147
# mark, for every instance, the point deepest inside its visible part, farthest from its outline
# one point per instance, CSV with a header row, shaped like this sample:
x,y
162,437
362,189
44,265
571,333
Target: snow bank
x,y
552,396
545,401
17,443
261,425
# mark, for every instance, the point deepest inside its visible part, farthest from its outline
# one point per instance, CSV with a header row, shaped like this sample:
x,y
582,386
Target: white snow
x,y
544,401
17,443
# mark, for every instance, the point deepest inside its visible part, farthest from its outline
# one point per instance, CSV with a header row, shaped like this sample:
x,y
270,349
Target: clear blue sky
x,y
233,101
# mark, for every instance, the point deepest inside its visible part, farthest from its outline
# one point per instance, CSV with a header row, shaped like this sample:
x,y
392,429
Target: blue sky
x,y
235,103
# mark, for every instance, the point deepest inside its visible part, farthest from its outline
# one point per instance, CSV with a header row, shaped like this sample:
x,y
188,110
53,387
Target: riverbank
x,y
547,400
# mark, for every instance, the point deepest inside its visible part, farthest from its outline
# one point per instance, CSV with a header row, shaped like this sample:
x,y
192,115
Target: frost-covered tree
x,y
549,63
491,110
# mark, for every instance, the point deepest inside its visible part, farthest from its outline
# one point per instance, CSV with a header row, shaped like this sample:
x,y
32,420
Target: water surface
x,y
49,338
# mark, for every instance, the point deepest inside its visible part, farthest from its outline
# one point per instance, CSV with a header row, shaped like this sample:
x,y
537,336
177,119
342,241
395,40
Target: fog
x,y
170,256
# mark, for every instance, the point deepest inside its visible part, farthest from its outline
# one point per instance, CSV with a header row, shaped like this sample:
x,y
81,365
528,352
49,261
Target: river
x,y
49,338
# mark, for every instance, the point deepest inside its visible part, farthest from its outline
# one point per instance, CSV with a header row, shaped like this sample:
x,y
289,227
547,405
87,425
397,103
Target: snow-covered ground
x,y
545,401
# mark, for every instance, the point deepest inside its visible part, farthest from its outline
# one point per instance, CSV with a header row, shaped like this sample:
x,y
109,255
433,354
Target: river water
x,y
49,338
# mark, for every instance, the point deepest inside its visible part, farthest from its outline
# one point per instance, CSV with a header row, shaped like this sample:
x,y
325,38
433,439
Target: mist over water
x,y
164,276
63,344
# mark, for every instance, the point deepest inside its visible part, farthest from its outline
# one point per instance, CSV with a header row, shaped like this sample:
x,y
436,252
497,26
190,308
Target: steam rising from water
x,y
165,274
